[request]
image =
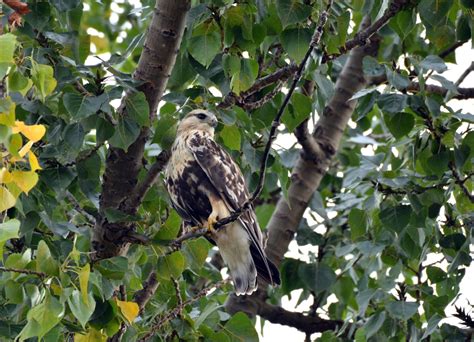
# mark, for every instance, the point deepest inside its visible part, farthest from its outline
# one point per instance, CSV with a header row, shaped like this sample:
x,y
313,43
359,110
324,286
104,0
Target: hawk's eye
x,y
201,116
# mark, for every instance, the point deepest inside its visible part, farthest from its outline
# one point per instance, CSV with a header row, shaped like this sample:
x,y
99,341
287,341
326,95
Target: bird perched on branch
x,y
206,185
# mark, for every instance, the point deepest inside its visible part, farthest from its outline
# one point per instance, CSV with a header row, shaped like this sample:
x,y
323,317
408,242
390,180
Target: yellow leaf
x,y
91,336
7,200
32,132
57,290
5,176
34,164
25,149
83,282
25,180
129,309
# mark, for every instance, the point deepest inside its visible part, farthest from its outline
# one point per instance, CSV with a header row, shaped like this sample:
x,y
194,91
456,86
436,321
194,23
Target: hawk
x,y
206,185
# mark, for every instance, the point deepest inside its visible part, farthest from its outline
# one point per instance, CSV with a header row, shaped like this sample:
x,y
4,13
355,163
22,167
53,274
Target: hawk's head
x,y
198,119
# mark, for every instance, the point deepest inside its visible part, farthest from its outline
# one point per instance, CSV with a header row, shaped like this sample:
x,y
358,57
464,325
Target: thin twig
x,y
464,74
133,201
460,181
280,75
362,37
23,271
451,49
77,206
157,324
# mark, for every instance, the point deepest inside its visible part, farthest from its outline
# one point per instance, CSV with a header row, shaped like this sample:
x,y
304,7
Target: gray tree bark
x,y
319,149
120,178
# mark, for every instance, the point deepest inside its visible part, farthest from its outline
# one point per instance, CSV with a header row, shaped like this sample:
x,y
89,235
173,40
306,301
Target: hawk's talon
x,y
211,221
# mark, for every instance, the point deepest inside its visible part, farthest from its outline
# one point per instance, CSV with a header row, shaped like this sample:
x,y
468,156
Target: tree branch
x,y
464,75
158,323
122,167
310,147
23,271
307,175
362,37
463,93
242,100
133,202
276,314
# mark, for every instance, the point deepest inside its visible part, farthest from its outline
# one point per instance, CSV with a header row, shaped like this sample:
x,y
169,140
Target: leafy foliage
x,y
397,198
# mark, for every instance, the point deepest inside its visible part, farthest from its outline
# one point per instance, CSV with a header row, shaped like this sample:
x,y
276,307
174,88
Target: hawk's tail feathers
x,y
265,268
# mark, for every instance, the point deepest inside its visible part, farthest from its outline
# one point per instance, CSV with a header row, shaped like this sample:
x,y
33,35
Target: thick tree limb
x,y
307,173
276,314
122,168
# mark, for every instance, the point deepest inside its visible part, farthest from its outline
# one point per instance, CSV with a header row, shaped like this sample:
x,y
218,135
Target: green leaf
x,y
195,252
432,325
113,268
433,12
438,163
204,48
392,103
126,132
8,43
81,106
453,241
42,318
230,64
290,279
115,215
138,109
44,261
292,11
296,41
58,178
240,328
435,63
299,111
79,308
317,277
402,310
171,265
74,136
43,79
245,78
357,223
305,235
374,323
396,218
8,230
435,274
14,292
231,137
403,23
400,124
169,230
18,82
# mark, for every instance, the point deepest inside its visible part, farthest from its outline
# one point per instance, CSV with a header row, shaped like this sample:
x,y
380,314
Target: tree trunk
x,y
122,168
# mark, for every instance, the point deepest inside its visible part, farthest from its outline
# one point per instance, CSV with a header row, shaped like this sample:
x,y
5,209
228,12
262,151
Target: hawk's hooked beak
x,y
213,122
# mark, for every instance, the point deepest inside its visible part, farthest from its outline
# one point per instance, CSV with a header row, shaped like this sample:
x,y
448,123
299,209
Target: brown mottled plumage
x,y
205,185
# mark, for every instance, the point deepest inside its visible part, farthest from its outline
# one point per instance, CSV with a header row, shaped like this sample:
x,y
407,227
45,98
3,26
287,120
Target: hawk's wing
x,y
228,180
